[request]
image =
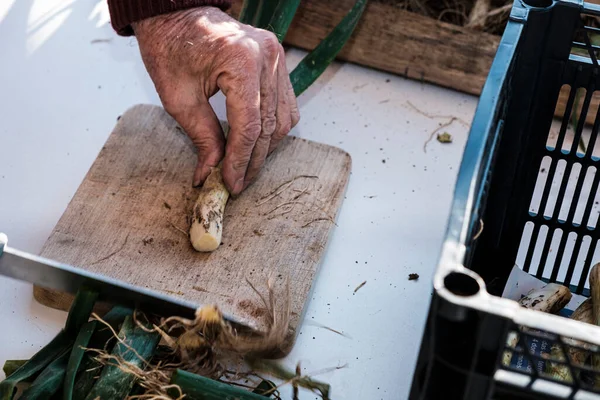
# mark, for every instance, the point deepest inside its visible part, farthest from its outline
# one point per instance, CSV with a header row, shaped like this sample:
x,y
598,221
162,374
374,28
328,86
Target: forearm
x,y
125,12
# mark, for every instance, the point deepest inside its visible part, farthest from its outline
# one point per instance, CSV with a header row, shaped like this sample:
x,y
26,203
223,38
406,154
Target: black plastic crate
x,y
527,180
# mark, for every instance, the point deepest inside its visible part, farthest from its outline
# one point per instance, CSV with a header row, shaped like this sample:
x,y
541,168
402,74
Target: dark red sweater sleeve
x,y
125,12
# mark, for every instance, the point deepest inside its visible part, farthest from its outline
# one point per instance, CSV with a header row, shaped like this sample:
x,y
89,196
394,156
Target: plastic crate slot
x,y
524,245
540,183
591,29
592,254
567,118
581,248
590,214
592,217
584,197
534,253
564,254
569,189
594,143
579,147
591,9
573,133
589,49
583,46
586,40
556,174
549,256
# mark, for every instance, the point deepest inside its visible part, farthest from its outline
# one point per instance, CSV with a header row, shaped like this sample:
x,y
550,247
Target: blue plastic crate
x,y
526,178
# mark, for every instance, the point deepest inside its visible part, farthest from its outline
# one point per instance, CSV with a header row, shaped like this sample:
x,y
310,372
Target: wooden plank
x,y
125,220
401,42
404,43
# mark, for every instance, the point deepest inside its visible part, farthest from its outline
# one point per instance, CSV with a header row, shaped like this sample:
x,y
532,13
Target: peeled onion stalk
x,y
207,223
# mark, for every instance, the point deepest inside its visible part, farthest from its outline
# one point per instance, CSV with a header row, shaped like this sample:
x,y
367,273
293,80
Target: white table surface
x,y
61,91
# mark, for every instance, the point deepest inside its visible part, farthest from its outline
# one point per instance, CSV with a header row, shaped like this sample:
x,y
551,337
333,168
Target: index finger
x,y
243,114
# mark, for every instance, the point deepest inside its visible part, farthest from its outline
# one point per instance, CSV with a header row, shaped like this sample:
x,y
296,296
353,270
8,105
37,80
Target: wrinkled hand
x,y
191,55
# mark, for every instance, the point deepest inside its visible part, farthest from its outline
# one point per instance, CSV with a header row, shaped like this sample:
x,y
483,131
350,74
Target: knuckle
x,y
240,164
205,143
295,118
249,135
270,43
269,124
247,47
284,129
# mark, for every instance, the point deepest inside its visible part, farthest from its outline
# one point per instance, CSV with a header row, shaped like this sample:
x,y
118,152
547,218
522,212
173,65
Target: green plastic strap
x,y
196,387
49,381
114,383
282,18
61,343
81,309
76,356
10,366
317,61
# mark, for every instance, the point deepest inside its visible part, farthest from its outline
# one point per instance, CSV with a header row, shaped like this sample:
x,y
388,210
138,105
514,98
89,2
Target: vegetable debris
x,y
444,137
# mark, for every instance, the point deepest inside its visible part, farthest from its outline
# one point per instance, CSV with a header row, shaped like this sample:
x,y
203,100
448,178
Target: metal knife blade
x,y
66,278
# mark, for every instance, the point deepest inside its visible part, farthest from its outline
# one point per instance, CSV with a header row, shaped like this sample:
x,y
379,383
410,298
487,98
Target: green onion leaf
x,y
114,383
61,343
196,387
266,9
10,366
49,381
90,368
315,63
282,18
90,372
80,311
76,356
248,13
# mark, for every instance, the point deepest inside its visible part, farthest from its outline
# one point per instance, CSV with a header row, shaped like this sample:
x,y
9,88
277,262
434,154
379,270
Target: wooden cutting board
x,y
129,220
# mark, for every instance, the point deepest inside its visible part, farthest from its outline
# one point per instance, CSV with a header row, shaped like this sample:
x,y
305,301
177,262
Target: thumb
x,y
204,129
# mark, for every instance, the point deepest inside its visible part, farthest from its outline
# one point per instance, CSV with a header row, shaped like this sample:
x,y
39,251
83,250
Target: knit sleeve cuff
x,y
125,12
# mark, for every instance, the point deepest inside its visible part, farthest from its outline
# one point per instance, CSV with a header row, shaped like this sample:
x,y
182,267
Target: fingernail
x,y
238,186
202,171
197,181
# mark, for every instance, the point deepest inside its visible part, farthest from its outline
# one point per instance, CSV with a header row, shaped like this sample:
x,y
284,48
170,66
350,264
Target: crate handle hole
x,y
538,3
461,284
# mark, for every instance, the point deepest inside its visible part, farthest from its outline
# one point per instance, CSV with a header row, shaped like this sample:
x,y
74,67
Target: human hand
x,y
191,55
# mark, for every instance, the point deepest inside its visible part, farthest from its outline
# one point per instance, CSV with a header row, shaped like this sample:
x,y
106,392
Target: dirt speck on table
x,y
413,277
